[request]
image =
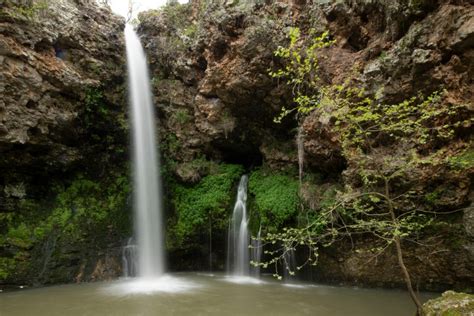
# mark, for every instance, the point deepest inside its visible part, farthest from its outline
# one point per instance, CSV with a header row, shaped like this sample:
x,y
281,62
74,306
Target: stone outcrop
x,y
215,65
210,62
450,303
53,56
61,112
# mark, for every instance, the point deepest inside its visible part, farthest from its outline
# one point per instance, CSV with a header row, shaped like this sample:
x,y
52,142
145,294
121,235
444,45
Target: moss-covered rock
x,y
206,203
200,212
62,239
450,304
61,114
275,198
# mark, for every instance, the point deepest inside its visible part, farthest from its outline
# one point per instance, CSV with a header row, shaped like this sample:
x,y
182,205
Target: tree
x,y
385,145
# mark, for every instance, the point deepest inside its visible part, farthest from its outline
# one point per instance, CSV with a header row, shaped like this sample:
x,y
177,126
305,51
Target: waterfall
x,y
129,259
256,255
289,264
300,145
147,182
238,240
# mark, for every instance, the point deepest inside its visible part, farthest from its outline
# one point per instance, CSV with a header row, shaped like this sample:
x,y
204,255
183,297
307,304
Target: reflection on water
x,y
193,294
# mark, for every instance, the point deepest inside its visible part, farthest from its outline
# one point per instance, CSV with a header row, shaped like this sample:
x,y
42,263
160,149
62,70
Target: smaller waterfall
x,y
300,144
256,255
48,249
238,240
289,264
129,259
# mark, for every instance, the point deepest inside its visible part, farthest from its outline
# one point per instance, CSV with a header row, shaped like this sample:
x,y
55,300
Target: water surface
x,y
195,294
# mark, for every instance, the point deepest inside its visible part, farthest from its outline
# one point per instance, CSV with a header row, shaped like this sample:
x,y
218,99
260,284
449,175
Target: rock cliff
x,y
64,191
210,62
62,116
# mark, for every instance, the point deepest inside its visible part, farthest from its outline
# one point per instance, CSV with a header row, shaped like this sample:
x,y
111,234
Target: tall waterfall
x,y
238,241
147,181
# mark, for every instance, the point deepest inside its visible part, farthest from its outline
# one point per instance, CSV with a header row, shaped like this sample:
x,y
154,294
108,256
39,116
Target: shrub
x,y
275,197
208,200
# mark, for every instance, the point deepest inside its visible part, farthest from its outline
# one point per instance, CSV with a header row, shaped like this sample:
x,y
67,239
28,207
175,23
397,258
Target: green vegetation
x,y
25,11
301,70
207,201
176,14
94,105
181,117
450,304
86,204
191,31
464,160
79,211
105,124
275,197
383,55
171,144
20,236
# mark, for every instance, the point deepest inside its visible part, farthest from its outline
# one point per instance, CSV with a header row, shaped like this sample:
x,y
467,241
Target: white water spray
x,y
146,172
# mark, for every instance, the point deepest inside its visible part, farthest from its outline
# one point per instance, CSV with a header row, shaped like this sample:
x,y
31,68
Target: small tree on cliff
x,y
383,145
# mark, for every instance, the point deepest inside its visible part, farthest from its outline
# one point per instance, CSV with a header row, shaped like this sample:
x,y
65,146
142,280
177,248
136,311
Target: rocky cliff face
x,y
210,64
64,192
61,114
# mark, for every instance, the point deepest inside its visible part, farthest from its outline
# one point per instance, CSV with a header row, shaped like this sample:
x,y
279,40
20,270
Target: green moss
x,y
20,236
208,200
182,117
178,14
90,203
83,209
171,144
465,160
328,198
24,11
275,197
450,304
191,31
95,108
418,4
7,266
433,197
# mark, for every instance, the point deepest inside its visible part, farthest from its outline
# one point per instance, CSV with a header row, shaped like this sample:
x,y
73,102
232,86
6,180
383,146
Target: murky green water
x,y
194,294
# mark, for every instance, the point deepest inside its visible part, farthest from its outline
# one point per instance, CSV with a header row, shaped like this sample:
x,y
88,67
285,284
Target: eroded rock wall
x,y
210,62
62,118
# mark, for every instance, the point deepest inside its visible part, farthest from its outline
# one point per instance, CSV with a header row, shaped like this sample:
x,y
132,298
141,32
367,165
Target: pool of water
x,y
199,294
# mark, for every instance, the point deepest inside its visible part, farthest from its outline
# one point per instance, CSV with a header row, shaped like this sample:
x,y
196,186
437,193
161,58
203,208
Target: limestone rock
x,y
61,70
450,303
213,57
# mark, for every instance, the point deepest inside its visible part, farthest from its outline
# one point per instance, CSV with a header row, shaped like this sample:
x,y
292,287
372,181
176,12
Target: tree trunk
x,y
407,277
401,262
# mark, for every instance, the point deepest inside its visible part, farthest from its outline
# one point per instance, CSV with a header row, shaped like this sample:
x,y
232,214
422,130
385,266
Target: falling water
x,y
129,259
289,264
147,182
238,247
256,255
300,144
